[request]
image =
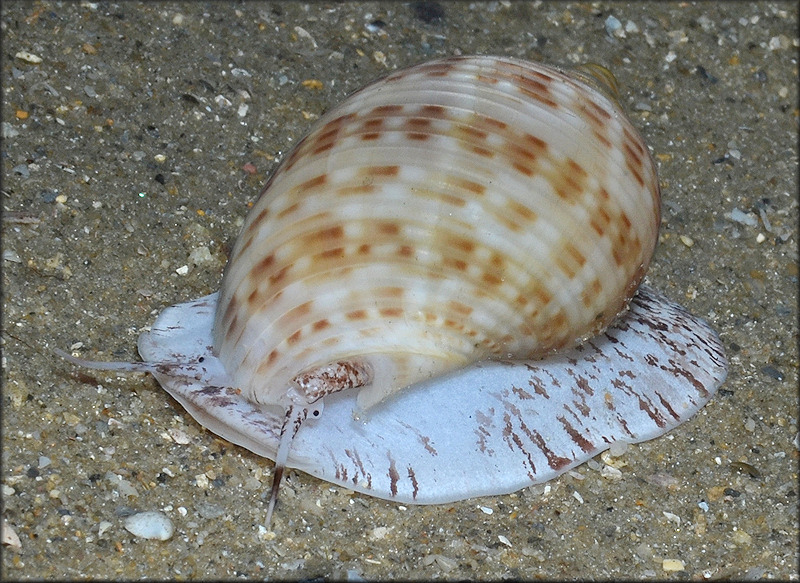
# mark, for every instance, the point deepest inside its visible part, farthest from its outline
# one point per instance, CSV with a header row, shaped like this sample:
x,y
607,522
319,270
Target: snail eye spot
x,y
201,359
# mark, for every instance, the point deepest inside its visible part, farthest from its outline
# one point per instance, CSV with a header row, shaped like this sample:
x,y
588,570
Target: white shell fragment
x,y
8,536
492,428
28,57
150,525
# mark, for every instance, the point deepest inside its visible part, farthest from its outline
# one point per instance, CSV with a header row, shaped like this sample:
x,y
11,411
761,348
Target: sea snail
x,y
438,263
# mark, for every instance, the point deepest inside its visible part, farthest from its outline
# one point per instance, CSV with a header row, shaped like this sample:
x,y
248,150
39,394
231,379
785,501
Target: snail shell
x,y
459,210
449,227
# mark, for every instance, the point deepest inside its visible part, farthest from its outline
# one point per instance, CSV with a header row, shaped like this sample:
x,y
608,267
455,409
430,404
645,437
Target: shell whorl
x,y
463,209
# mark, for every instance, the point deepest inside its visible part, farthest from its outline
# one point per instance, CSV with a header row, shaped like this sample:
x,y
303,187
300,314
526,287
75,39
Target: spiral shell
x,y
464,209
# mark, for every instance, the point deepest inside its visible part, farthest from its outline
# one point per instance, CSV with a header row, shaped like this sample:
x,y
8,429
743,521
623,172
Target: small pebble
x,y
741,217
9,536
11,255
379,532
618,448
209,511
314,84
124,487
672,517
741,537
200,255
22,170
252,483
293,565
631,27
29,57
150,525
202,481
611,460
303,33
672,565
9,131
445,563
764,219
179,436
779,42
613,25
610,473
576,475
354,575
